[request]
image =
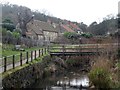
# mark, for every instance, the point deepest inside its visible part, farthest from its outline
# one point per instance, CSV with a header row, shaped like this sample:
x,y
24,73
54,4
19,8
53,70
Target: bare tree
x,y
24,17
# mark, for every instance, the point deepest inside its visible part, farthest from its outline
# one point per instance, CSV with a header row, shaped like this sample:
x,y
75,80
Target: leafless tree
x,y
24,17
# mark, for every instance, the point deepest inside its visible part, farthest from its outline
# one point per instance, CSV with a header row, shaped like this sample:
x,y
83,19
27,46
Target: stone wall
x,y
27,76
24,77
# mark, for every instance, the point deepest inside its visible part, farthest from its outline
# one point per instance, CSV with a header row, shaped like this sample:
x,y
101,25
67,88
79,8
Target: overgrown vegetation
x,y
103,75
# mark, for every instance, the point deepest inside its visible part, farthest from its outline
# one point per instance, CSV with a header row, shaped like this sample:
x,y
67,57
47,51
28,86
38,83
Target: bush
x,y
16,34
8,26
87,35
100,74
71,35
100,78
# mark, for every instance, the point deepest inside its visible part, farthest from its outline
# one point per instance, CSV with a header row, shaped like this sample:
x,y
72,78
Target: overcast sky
x,y
85,11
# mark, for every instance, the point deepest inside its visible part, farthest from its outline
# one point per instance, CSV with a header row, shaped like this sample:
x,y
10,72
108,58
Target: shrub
x,y
87,35
8,26
16,34
100,74
71,35
100,78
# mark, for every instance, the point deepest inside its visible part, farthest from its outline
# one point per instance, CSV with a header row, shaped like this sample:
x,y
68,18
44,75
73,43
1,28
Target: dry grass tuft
x,y
102,62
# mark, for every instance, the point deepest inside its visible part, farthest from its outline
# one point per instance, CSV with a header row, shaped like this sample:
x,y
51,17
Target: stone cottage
x,y
40,30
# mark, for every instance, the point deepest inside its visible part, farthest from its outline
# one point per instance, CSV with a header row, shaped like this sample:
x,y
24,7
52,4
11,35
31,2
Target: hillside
x,y
17,13
12,12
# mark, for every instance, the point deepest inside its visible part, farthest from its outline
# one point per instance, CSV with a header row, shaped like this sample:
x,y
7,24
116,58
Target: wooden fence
x,y
77,48
86,49
10,62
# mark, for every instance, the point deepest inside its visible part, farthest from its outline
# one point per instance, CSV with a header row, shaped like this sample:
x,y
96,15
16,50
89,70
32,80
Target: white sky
x,y
85,11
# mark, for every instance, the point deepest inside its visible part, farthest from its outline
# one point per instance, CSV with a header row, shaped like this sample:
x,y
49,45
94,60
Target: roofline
x,y
49,30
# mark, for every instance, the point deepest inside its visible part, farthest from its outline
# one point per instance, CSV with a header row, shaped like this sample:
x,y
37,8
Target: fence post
x,y
42,51
79,49
31,56
27,57
39,52
5,64
20,59
13,61
35,54
48,48
45,50
97,49
63,47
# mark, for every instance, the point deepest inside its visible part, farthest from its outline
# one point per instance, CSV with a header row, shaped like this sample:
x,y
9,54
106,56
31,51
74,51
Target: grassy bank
x,y
37,60
7,50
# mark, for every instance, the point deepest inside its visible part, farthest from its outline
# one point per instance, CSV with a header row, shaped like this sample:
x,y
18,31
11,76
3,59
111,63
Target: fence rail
x,y
75,49
12,61
83,47
90,49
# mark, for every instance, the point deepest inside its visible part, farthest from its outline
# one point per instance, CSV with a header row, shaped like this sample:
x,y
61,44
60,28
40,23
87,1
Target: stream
x,y
68,81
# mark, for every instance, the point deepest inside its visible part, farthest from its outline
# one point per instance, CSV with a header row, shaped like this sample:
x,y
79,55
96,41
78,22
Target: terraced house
x,y
40,30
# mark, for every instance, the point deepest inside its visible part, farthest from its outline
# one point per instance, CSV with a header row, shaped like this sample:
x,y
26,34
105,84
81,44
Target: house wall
x,y
49,36
31,34
40,37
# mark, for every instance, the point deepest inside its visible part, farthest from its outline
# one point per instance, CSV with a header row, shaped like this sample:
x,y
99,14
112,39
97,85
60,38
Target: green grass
x,y
33,48
17,54
9,51
55,50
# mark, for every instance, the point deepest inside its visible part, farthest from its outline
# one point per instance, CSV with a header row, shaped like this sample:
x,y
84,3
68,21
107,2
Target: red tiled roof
x,y
67,28
74,26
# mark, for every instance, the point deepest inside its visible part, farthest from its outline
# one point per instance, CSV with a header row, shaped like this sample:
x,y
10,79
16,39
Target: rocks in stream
x,y
60,62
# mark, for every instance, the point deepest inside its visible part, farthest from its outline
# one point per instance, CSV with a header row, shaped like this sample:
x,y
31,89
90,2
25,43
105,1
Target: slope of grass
x,y
7,50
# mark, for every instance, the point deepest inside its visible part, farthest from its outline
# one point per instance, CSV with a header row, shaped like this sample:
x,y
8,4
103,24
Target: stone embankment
x,y
25,77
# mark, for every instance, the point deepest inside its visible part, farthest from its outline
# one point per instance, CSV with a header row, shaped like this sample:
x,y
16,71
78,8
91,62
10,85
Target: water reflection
x,y
77,81
71,81
64,88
